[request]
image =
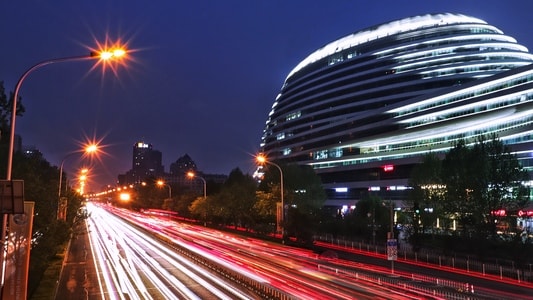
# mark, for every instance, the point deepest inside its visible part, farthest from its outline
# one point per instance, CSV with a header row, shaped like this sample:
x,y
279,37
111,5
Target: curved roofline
x,y
385,29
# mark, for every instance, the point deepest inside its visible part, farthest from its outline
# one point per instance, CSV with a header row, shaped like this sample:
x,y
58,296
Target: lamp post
x,y
88,150
192,175
103,56
262,159
162,183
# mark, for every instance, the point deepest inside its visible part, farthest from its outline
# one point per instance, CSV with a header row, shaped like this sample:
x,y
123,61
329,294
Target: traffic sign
x,y
392,249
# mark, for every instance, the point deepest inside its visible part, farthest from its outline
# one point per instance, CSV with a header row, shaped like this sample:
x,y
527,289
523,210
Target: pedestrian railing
x,y
500,268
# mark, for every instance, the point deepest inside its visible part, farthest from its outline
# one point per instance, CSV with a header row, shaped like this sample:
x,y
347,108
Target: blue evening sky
x,y
201,77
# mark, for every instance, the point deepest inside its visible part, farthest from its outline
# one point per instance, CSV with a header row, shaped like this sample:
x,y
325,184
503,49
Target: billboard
x,y
18,253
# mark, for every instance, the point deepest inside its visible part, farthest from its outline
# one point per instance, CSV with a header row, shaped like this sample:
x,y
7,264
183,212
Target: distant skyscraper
x,y
146,163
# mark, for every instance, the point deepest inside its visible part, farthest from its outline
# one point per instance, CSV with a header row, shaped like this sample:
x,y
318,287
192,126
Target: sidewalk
x,y
73,277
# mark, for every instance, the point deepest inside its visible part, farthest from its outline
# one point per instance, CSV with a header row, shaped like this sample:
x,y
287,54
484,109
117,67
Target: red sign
x,y
388,168
525,213
499,213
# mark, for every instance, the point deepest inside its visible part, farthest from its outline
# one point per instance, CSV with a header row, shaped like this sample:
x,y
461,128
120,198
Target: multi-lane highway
x,y
134,265
138,256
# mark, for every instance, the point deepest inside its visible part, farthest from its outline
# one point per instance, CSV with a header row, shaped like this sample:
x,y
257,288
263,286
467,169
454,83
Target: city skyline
x,y
201,78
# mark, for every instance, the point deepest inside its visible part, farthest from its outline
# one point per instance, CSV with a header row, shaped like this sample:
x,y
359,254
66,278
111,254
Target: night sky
x,y
201,75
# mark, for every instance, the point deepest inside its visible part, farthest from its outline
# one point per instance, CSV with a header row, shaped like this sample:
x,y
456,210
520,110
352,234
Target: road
x,y
296,273
143,261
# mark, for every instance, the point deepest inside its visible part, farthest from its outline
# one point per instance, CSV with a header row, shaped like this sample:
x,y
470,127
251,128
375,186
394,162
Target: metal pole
x,y
205,187
12,145
61,173
282,218
391,231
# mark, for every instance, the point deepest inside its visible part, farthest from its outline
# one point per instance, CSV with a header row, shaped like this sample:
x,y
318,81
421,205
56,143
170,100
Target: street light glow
x,y
125,197
261,158
91,148
110,54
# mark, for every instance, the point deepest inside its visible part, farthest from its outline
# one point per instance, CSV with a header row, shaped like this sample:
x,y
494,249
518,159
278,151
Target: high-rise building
x,y
364,109
146,163
182,165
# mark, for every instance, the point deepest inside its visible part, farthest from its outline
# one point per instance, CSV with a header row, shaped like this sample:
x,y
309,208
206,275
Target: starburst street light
x,y
88,150
263,160
101,56
162,183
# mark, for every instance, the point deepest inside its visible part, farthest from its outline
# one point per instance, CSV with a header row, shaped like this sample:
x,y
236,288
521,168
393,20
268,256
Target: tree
x,y
502,185
183,202
200,208
480,180
41,181
457,176
373,215
264,211
426,197
6,107
234,202
304,196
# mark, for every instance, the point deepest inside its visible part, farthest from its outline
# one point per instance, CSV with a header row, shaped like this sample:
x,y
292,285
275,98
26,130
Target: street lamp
x,y
88,150
192,175
162,183
102,56
262,159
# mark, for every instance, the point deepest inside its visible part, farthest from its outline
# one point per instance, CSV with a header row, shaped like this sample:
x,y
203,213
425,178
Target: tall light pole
x,y
192,175
87,150
103,56
262,159
162,183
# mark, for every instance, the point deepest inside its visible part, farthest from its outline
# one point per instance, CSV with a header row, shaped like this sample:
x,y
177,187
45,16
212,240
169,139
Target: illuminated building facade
x,y
363,109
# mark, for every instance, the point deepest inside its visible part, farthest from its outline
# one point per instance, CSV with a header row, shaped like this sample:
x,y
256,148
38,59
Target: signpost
x,y
392,252
12,196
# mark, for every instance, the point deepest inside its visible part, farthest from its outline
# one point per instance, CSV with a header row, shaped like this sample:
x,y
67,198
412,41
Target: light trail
x,y
134,265
286,268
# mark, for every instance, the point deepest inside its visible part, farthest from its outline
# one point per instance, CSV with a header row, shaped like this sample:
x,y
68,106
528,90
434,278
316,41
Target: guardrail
x,y
507,270
421,286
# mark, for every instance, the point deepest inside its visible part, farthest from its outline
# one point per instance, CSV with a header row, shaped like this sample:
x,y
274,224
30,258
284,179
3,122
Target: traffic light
x,y
417,208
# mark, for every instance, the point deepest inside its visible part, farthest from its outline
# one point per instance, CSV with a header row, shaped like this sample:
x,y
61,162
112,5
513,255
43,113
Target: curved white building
x,y
388,94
